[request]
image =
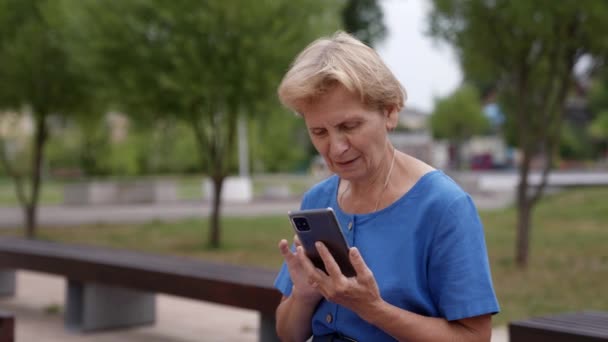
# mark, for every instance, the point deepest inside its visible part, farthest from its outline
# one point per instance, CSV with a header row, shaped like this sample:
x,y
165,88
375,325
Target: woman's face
x,y
351,137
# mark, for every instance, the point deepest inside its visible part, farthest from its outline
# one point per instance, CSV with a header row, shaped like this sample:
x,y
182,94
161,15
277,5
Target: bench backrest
x,y
584,326
245,287
7,327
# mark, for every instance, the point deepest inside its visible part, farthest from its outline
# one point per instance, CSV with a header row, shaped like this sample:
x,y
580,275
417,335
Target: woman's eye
x,y
350,126
318,132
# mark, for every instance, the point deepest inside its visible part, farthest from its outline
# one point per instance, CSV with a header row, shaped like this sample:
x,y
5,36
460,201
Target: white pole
x,y
243,147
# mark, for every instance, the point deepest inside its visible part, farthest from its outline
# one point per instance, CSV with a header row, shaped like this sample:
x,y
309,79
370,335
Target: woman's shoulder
x,y
322,191
440,188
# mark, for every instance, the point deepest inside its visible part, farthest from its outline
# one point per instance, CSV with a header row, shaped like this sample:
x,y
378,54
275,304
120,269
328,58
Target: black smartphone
x,y
314,225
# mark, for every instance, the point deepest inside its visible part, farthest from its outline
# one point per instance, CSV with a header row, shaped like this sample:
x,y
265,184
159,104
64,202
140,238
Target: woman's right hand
x,y
302,290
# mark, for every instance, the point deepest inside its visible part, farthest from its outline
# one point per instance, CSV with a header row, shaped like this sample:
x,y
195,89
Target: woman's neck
x,y
367,195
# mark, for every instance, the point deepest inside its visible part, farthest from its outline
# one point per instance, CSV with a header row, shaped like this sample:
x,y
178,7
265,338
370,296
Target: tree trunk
x,y
214,219
29,212
524,210
30,209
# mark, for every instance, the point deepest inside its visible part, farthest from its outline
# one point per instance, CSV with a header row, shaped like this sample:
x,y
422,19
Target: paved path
x,y
39,300
178,319
63,215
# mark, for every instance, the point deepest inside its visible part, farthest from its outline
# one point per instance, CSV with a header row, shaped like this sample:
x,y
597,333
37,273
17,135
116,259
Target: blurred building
x,y
15,131
413,136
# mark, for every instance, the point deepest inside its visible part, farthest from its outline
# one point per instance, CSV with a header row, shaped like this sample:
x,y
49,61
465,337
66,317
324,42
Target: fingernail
x,y
317,244
354,251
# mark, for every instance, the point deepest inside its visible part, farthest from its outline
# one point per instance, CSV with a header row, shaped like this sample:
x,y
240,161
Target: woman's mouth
x,y
346,163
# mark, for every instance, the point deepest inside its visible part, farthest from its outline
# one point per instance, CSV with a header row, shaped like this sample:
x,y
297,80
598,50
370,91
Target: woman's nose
x,y
338,144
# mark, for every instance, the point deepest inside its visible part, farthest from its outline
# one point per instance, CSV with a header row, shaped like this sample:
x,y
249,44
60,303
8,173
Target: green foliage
x,y
574,144
279,143
168,148
529,50
599,126
364,19
38,75
598,102
459,116
36,69
204,63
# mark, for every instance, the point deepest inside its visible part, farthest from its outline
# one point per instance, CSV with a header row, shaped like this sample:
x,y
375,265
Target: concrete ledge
x,y
120,192
234,190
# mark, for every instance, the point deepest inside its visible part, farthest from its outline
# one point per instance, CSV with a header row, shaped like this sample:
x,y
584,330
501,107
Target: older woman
x,y
418,244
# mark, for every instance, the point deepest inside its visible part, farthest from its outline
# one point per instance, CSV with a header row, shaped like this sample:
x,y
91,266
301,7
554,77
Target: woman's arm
x,y
361,295
294,313
408,326
294,317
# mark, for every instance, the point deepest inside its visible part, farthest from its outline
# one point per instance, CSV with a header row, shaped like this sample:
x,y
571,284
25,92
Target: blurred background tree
x,y
38,81
457,118
178,76
365,20
598,101
529,49
201,63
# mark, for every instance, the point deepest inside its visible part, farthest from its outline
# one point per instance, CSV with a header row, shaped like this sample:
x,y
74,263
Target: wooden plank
x,y
586,326
7,327
245,287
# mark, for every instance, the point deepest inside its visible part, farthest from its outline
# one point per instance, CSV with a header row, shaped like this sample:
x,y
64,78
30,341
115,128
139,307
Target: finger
x,y
314,274
358,263
296,240
328,260
285,250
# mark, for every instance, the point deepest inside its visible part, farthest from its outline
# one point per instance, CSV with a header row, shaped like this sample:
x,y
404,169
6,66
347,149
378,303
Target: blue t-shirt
x,y
426,250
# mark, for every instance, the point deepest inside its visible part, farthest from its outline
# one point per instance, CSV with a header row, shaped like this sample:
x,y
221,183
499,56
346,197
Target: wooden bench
x,y
585,326
111,288
7,327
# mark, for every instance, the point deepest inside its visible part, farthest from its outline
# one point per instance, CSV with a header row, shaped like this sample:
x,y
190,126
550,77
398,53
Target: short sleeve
x,y
283,282
459,272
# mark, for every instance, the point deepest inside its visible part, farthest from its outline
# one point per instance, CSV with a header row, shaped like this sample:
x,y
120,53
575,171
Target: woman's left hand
x,y
359,293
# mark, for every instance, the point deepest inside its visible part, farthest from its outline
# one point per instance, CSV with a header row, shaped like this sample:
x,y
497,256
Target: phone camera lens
x,y
301,223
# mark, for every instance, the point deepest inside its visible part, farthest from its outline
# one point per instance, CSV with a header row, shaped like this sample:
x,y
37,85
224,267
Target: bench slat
x,y
245,287
7,327
577,326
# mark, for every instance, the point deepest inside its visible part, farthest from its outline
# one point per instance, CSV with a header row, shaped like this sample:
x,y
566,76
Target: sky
x,y
426,68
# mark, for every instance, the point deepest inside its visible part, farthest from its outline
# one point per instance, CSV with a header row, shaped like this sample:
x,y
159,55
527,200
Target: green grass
x,y
568,267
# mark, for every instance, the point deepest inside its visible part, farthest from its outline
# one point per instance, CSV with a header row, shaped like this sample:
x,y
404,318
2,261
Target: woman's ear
x,y
391,115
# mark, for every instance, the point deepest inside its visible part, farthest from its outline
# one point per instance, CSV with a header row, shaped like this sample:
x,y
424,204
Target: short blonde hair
x,y
340,60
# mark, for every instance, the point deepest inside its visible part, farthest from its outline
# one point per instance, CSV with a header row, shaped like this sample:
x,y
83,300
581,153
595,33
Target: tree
x,y
529,48
364,19
458,117
36,77
292,154
598,101
205,63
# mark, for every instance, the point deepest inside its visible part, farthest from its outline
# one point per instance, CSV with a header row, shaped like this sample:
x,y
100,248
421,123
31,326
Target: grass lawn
x,y
568,267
